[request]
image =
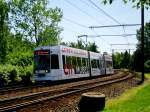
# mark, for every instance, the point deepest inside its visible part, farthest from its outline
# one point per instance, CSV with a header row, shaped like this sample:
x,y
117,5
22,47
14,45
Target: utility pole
x,y
142,42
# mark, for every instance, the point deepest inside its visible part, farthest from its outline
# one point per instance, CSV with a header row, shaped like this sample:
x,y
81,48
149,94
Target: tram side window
x,y
98,64
78,61
54,61
101,63
84,62
108,64
69,60
94,63
74,61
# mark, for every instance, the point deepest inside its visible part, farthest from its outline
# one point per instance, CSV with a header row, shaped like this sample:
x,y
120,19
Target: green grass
x,y
135,100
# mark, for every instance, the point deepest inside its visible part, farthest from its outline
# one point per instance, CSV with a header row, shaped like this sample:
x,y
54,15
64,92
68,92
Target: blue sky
x,y
84,13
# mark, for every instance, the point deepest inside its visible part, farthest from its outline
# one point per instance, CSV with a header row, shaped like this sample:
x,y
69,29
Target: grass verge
x,y
136,99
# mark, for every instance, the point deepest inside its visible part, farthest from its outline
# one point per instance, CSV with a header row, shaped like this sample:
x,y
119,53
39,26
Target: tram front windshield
x,y
42,60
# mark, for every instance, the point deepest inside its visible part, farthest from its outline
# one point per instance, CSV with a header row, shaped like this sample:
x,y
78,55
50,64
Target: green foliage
x,y
9,74
34,20
147,66
4,75
137,3
117,58
50,36
125,63
21,59
134,100
19,51
79,45
121,60
30,23
12,75
136,62
4,9
146,41
90,46
26,74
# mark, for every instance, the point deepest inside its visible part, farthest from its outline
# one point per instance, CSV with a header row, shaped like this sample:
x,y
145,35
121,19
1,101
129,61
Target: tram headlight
x,y
46,71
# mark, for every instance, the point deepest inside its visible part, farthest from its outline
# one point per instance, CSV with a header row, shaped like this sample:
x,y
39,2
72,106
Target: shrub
x,y
26,75
12,75
21,59
4,72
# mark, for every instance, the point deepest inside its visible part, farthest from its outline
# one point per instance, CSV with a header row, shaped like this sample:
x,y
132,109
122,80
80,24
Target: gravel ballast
x,y
70,103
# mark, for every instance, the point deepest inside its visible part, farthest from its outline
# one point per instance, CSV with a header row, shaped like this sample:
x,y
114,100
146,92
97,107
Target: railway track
x,y
15,103
23,90
4,90
22,87
17,88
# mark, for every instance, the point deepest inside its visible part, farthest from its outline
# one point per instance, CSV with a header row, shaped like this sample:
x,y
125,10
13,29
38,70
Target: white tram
x,y
53,63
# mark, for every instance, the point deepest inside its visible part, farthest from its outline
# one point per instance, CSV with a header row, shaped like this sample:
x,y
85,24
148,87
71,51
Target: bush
x,y
147,66
12,75
21,59
4,72
26,75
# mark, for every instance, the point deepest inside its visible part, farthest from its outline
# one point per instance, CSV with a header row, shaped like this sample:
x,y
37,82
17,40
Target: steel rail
x,y
14,88
68,92
54,90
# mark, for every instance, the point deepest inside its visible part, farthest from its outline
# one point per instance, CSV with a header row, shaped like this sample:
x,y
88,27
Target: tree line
x,y
125,60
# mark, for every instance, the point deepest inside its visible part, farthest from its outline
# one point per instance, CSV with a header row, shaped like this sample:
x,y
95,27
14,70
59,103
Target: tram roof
x,y
67,49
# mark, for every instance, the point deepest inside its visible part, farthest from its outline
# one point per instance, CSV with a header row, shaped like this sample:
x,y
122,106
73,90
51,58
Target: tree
x,y
4,9
92,47
146,41
125,60
50,36
121,60
24,24
136,3
79,45
117,58
136,62
34,19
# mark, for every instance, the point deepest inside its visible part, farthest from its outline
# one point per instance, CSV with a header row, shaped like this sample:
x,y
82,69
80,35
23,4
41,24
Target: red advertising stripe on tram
x,y
41,52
